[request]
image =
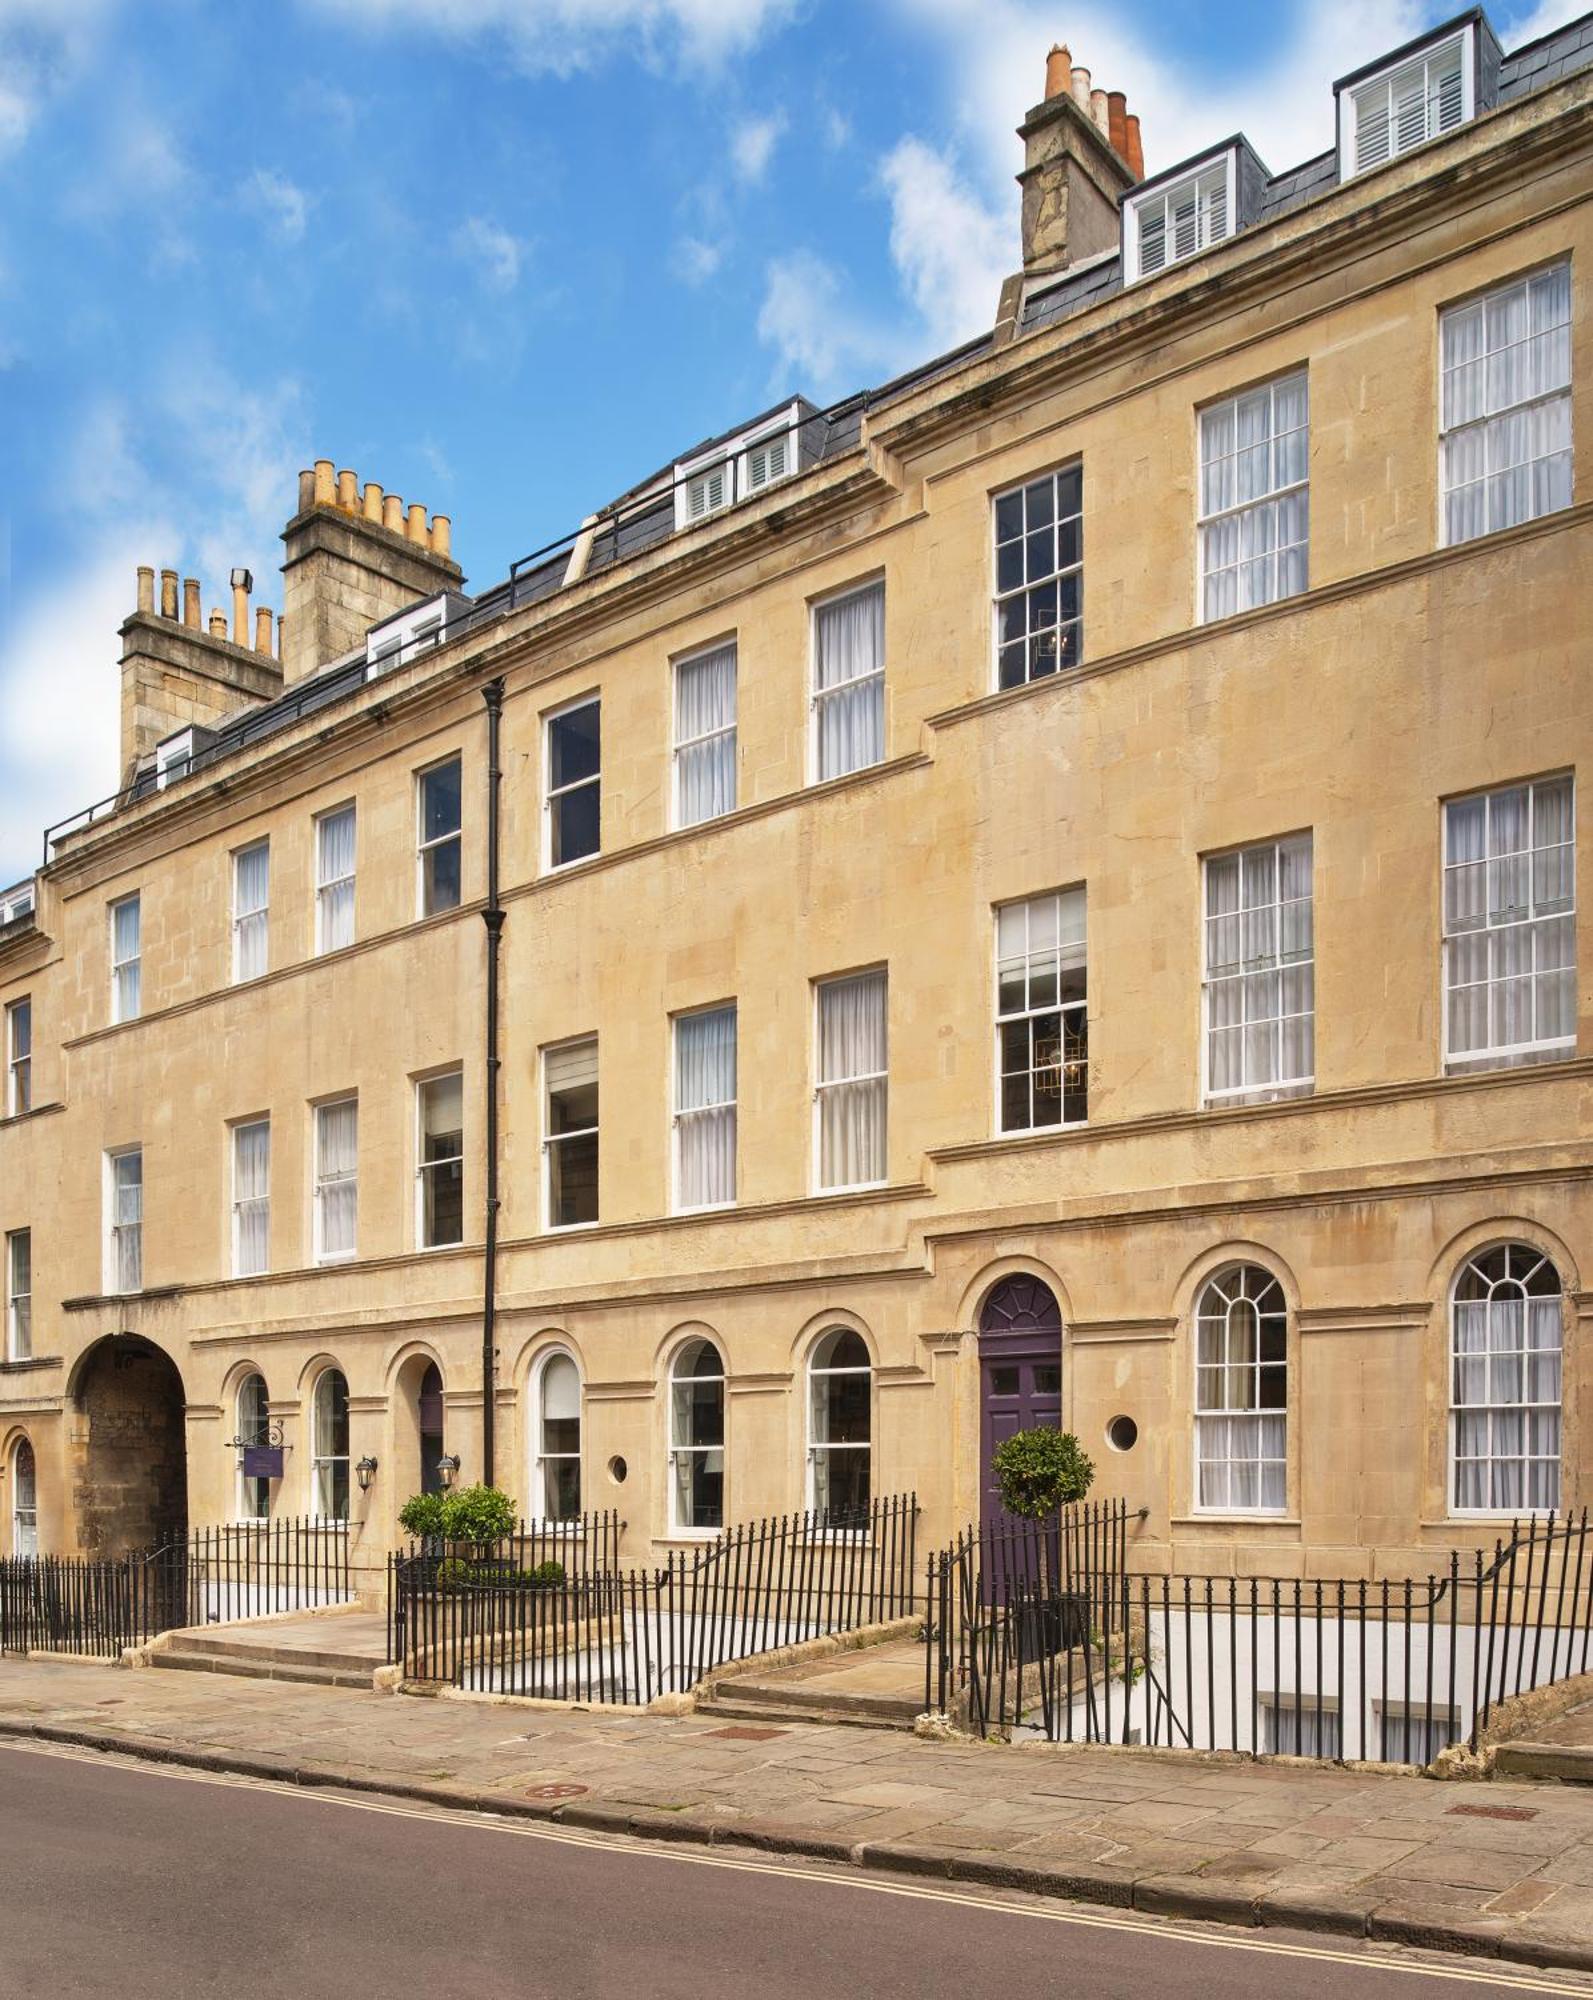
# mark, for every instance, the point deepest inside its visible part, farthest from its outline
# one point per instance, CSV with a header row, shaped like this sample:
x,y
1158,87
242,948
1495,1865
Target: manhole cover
x,y
555,1791
743,1732
1494,1812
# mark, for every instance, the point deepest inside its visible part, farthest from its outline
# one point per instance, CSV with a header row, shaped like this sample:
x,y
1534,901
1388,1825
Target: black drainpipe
x,y
492,915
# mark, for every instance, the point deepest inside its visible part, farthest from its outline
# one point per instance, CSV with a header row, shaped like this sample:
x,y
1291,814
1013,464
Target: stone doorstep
x,y
1353,1910
247,1648
1568,1763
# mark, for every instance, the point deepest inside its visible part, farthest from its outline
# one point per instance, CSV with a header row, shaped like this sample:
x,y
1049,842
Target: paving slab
x,y
1394,1856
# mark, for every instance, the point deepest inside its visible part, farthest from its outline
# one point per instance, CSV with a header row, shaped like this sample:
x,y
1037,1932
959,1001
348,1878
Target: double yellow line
x,y
1212,1937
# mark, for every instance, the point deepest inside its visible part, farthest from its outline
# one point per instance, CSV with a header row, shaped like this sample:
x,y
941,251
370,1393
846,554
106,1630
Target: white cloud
x,y
950,248
138,164
752,145
1517,28
286,207
837,128
568,35
821,344
495,253
44,47
695,261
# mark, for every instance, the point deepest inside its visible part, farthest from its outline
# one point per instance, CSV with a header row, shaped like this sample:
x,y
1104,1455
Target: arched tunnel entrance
x,y
131,1451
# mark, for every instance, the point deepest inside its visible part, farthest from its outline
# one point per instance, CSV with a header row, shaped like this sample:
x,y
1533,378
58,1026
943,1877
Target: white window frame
x,y
24,1519
1513,1054
134,963
1227,1410
1071,1010
1350,94
19,1067
821,1084
329,1460
1275,965
817,696
240,1202
425,1167
1238,509
680,1530
242,918
117,1234
243,1513
727,730
733,460
425,847
1484,423
1446,1724
541,1458
19,1303
321,1181
818,1372
1493,1408
1200,176
681,1120
325,885
397,641
1290,1714
550,794
550,1139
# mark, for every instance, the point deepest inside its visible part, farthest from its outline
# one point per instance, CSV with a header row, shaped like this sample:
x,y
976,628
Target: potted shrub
x,y
464,1523
1040,1472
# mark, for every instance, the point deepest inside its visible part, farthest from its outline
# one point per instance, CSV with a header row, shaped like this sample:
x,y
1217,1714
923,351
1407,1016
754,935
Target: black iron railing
x,y
487,1623
97,1605
587,1545
1390,1670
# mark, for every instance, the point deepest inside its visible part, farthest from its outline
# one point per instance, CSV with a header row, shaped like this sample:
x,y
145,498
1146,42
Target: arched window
x,y
840,1429
1242,1393
329,1483
556,1439
254,1428
429,1419
24,1501
697,1438
1506,1336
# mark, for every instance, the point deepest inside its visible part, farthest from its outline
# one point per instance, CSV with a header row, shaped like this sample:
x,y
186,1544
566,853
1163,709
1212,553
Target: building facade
x,y
1043,891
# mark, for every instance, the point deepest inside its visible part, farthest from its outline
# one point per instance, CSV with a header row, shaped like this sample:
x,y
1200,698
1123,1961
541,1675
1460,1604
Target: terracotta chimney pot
x,y
417,523
146,588
1117,122
218,622
306,491
1058,71
262,629
373,501
393,514
1135,155
191,611
441,535
168,593
347,491
325,482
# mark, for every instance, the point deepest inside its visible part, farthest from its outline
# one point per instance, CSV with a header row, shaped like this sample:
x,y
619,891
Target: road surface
x,y
118,1879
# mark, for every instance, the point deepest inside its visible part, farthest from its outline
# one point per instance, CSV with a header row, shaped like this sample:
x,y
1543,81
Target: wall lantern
x,y
447,1471
365,1472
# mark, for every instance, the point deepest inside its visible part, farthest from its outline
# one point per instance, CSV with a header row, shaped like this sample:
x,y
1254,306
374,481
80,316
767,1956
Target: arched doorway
x,y
1020,1374
131,1459
430,1402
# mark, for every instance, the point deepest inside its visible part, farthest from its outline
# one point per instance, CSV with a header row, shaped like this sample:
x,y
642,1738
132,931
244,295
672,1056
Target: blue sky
x,y
503,256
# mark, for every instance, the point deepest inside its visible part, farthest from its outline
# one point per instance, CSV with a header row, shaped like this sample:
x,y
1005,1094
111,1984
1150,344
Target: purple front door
x,y
1020,1376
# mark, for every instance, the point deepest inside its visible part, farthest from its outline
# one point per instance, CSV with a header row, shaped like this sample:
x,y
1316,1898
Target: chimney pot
x,y
417,524
1117,122
262,629
191,610
168,593
1098,111
393,514
325,483
242,584
306,491
1135,154
1081,88
1058,71
373,501
218,622
441,535
146,588
347,491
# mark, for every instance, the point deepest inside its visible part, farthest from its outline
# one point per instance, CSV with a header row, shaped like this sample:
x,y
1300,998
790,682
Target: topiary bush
x,y
1041,1471
467,1514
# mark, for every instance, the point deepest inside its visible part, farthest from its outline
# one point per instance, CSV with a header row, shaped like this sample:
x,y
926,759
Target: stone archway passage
x,y
130,1453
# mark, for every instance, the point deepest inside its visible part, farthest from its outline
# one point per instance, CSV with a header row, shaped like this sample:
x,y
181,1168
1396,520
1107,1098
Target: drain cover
x,y
743,1732
555,1791
1494,1812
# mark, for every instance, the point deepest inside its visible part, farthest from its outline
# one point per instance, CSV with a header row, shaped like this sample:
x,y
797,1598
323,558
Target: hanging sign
x,y
262,1461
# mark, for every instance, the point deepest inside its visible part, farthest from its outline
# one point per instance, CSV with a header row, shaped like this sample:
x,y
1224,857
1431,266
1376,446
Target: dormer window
x,y
1190,208
398,640
1425,92
768,462
707,492
737,468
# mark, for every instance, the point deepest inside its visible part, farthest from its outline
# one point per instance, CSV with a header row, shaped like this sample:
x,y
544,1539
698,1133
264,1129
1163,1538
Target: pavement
x,y
1497,1869
154,1884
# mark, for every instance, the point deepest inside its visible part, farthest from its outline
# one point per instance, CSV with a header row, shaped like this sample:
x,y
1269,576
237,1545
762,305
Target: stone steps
x,y
783,1715
256,1666
1567,1763
769,1700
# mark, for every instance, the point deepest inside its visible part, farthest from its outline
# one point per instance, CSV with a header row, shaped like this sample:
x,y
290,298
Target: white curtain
x,y
251,1193
1259,983
1291,1726
331,1446
559,1443
335,874
705,1107
852,1081
1510,943
251,898
337,1176
849,637
1251,448
126,927
20,1286
25,1501
1507,1395
127,1220
1507,406
705,736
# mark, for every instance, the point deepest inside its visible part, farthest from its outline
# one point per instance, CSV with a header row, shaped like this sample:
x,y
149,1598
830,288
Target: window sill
x,y
339,1257
849,1187
1276,1093
97,1301
1480,1064
22,1363
1038,1131
1220,1520
570,1228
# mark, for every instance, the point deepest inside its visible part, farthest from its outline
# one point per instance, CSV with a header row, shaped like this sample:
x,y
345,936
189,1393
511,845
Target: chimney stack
x,y
1081,155
355,554
178,667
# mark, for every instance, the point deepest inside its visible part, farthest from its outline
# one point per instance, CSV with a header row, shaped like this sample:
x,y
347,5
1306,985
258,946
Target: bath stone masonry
x,y
1044,889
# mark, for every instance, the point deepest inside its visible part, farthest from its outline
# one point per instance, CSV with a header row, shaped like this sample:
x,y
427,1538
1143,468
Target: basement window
x,y
1179,216
1426,92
